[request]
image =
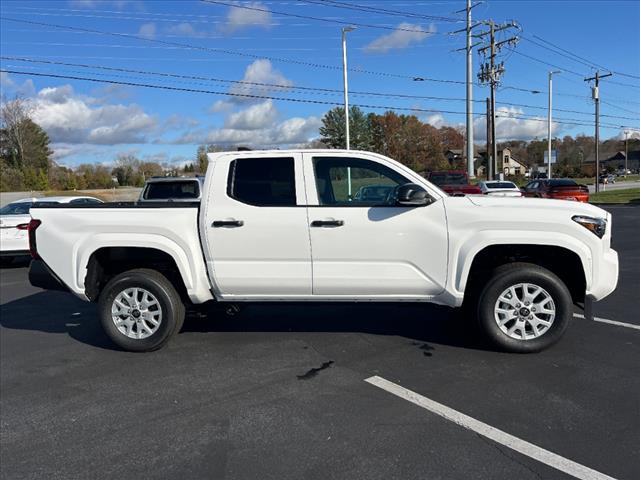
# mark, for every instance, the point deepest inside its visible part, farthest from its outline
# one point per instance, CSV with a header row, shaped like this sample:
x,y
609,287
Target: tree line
x,y
421,146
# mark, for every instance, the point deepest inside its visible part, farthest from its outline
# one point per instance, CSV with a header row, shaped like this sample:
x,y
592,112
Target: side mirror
x,y
413,195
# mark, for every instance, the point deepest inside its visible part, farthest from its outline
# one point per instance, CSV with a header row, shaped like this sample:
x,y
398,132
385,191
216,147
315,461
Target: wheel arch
x,y
106,262
571,263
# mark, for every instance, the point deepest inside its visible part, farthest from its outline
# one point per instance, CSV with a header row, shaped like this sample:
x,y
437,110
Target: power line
x,y
317,19
230,52
527,39
274,59
564,69
386,11
284,86
588,61
565,121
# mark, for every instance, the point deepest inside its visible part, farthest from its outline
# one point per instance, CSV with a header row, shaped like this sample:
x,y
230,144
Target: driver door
x,y
362,243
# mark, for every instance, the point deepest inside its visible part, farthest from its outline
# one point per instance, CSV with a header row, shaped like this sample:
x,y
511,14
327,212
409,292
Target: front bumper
x,y
605,278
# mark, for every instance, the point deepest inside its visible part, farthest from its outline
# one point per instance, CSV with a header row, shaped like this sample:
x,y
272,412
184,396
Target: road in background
x,y
615,186
278,391
123,194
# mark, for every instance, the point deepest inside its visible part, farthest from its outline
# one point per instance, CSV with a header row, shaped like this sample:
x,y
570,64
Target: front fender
x,y
464,255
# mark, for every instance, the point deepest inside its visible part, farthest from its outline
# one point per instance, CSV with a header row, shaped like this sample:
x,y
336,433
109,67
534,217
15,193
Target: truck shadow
x,y
55,312
423,325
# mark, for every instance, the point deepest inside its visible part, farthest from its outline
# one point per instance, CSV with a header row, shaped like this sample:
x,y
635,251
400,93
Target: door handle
x,y
327,223
227,223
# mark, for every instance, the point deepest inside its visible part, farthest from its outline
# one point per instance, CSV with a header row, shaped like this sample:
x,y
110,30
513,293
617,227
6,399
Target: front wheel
x,y
523,308
140,310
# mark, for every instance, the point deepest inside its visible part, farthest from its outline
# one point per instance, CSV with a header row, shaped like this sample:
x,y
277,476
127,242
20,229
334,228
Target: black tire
x,y
173,310
515,273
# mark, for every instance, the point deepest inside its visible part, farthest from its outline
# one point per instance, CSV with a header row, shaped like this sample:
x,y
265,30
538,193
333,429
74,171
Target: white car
x,y
500,188
14,220
281,226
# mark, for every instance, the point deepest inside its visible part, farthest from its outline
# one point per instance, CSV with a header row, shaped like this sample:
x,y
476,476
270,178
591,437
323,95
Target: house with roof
x,y
507,164
616,160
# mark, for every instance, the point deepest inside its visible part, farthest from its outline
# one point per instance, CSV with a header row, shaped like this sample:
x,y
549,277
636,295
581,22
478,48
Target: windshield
x,y
18,208
187,189
448,178
501,185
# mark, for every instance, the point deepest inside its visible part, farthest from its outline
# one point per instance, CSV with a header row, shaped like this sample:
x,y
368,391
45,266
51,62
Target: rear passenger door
x,y
255,227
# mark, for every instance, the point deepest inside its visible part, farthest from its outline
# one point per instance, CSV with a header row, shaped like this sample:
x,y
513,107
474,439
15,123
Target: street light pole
x,y
346,87
626,151
470,169
549,123
346,99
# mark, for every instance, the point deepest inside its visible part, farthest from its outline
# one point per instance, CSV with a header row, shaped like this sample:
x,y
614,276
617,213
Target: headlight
x,y
597,226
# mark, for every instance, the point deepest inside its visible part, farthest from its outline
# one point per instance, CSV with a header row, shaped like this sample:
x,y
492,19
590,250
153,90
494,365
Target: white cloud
x,y
118,4
147,30
256,126
260,71
184,29
7,84
293,130
71,118
240,18
255,117
511,126
404,35
631,134
220,106
436,120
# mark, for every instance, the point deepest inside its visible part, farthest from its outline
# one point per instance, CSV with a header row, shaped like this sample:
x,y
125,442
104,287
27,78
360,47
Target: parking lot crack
x,y
314,371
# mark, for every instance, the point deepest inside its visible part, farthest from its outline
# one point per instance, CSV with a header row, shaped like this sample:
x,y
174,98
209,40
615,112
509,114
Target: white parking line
x,y
610,322
530,450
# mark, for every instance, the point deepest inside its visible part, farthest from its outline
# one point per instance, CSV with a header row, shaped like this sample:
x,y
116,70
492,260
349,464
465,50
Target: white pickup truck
x,y
327,225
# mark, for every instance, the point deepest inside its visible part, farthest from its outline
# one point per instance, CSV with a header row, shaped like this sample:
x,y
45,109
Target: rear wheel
x,y
140,310
523,308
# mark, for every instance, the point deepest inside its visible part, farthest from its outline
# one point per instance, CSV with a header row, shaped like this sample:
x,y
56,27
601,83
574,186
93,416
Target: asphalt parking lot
x,y
280,392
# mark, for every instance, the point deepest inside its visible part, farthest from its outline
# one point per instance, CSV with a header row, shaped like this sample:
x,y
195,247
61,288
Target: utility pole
x,y
469,52
490,73
595,94
346,100
489,141
549,124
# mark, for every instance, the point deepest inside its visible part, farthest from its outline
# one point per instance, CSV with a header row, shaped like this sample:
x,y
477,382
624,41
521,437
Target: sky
x,y
213,47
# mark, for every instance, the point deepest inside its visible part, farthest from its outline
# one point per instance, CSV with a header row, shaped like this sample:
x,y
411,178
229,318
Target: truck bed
x,y
70,234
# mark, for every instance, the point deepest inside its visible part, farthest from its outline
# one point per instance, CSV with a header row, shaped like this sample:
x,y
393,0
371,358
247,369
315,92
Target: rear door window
x,y
263,182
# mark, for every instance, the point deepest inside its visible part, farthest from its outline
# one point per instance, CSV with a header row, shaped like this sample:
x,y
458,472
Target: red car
x,y
454,182
558,188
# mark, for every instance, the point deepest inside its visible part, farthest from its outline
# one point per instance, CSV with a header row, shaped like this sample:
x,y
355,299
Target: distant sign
x,y
554,156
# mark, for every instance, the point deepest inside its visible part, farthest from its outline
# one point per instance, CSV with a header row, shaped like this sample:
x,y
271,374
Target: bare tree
x,y
14,116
